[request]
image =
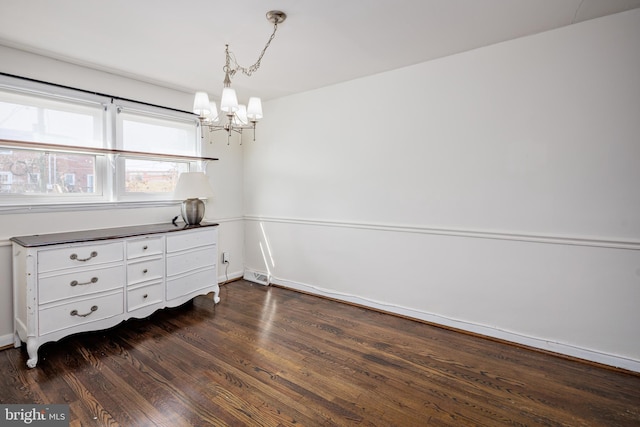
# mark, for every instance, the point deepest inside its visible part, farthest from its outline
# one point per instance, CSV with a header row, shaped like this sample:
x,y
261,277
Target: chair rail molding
x,y
460,232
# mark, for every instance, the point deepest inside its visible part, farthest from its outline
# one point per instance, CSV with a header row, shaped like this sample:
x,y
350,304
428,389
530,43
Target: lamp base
x,y
192,211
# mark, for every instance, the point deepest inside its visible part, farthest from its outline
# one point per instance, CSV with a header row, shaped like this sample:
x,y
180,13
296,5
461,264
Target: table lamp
x,y
191,187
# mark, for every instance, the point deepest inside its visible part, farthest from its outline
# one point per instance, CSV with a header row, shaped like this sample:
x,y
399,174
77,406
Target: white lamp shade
x,y
193,185
201,104
213,115
241,116
254,109
229,101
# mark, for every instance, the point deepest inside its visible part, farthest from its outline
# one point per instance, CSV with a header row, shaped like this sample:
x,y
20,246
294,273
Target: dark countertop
x,y
103,234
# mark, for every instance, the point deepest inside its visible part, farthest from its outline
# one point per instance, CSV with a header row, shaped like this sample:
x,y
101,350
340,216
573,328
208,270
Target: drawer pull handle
x,y
145,247
76,283
145,296
145,271
91,255
75,312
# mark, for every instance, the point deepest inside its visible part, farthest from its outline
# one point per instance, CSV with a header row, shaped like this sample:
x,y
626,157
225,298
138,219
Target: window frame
x,y
108,178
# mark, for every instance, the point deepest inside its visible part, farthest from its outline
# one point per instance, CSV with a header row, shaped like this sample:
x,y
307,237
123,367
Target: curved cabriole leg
x,y
216,296
32,350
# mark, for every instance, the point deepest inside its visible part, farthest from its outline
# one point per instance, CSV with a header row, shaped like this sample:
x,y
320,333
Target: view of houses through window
x,y
32,172
148,176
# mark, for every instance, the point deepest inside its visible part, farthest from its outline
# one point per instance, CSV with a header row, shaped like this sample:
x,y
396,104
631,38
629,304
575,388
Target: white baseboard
x,y
229,277
555,347
6,340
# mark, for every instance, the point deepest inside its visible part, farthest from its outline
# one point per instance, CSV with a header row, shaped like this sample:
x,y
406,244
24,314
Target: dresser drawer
x,y
188,261
184,285
191,239
78,283
142,271
79,312
79,256
144,296
145,247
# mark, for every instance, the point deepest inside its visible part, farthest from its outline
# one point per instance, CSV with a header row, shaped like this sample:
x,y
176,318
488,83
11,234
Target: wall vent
x,y
256,277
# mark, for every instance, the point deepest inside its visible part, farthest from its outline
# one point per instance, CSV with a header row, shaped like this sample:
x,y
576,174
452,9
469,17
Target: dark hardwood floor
x,y
270,356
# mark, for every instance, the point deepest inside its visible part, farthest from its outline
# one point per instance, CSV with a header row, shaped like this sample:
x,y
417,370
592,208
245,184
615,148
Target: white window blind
x,y
50,119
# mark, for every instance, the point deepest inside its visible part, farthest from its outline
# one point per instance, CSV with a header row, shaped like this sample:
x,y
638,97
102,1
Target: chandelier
x,y
238,116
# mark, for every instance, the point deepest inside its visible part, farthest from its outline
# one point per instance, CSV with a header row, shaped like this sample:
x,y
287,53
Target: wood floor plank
x,y
200,365
268,356
227,371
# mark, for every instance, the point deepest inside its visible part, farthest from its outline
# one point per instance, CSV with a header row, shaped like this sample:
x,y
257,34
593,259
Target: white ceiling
x,y
180,44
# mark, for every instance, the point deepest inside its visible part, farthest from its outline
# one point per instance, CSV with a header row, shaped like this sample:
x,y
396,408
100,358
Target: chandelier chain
x,y
248,71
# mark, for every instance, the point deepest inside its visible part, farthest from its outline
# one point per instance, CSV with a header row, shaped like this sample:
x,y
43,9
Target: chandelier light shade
x,y
239,117
201,104
191,187
213,113
254,109
229,101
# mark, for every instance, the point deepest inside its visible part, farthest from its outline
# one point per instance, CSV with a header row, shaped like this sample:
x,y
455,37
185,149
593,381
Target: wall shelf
x,y
90,150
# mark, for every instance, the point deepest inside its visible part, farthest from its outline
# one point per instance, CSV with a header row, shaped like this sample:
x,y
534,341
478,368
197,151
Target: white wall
x,y
226,174
226,207
495,191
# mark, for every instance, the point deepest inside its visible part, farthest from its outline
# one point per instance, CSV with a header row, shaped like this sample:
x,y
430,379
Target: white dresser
x,y
67,283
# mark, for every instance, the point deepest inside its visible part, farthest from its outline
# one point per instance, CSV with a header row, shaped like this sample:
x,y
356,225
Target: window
x,y
150,177
152,131
6,180
41,173
103,149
